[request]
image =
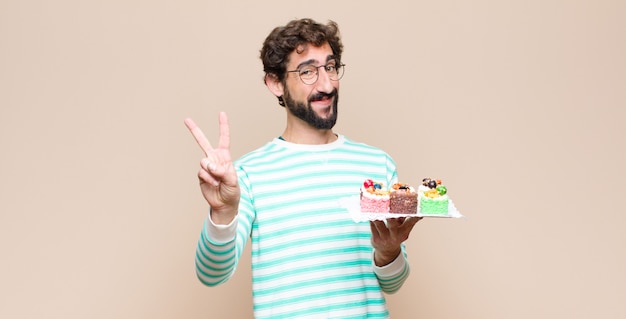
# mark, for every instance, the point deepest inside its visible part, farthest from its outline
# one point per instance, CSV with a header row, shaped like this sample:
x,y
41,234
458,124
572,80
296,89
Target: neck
x,y
299,132
312,136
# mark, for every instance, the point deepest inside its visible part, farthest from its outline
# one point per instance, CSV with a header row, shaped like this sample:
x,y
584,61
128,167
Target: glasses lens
x,y
337,73
308,74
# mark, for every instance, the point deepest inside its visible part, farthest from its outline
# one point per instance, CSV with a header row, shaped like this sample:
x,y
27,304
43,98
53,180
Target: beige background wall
x,y
519,106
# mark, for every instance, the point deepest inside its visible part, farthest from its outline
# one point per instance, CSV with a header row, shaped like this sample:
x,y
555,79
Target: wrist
x,y
384,258
223,216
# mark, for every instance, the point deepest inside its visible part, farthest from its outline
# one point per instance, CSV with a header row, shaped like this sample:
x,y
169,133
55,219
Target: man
x,y
309,258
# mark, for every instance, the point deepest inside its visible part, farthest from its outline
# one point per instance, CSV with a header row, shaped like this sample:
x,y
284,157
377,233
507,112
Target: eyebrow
x,y
311,61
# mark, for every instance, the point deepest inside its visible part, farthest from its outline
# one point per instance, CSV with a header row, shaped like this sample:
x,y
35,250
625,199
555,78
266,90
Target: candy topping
x,y
434,188
374,187
368,183
442,189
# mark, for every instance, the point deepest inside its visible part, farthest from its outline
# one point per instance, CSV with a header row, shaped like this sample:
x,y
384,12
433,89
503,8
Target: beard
x,y
306,113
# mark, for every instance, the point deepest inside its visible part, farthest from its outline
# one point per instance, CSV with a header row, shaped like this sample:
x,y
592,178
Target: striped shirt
x,y
309,258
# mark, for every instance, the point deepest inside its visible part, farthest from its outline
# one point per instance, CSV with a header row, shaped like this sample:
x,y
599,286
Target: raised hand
x,y
218,178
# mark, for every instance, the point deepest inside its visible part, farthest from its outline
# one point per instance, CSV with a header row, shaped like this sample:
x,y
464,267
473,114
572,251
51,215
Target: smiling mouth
x,y
323,105
322,97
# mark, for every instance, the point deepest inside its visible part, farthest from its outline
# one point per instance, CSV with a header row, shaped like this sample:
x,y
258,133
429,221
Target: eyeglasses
x,y
310,73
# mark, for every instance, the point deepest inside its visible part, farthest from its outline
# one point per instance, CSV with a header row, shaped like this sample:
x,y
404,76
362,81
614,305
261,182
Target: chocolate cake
x,y
402,199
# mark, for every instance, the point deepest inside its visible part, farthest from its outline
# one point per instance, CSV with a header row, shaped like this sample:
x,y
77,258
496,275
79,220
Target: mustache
x,y
320,96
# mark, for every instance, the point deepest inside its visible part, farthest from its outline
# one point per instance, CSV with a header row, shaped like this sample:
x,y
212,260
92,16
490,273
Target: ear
x,y
274,85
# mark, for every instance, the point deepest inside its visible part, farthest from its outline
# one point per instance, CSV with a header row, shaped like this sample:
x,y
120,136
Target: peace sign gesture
x,y
218,178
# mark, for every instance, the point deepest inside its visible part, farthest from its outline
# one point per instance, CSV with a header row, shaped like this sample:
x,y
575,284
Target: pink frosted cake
x,y
374,197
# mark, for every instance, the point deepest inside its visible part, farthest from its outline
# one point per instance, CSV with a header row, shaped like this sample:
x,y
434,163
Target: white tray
x,y
352,204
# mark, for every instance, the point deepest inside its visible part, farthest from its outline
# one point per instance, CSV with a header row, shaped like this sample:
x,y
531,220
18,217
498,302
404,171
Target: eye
x,y
331,68
307,71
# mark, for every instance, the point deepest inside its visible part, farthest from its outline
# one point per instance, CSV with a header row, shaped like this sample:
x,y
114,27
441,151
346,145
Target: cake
x,y
374,197
402,199
433,198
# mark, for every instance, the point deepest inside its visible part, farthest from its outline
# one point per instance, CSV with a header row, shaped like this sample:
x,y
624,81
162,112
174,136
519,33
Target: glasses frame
x,y
317,72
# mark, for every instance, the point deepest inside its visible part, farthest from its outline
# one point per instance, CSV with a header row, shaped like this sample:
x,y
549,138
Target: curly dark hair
x,y
283,40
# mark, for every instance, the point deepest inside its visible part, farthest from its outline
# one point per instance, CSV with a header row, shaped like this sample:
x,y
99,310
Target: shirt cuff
x,y
391,269
221,234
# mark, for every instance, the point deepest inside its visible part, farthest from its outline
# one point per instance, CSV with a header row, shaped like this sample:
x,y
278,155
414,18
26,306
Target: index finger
x,y
199,136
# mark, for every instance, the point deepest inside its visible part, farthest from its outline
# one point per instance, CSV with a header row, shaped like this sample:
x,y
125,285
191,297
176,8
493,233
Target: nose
x,y
324,84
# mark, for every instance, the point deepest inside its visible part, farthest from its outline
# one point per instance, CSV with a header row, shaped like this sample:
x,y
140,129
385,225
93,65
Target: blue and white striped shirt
x,y
309,258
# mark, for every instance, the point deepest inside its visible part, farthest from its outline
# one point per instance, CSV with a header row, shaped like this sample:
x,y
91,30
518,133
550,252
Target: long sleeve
x,y
220,246
392,276
216,256
309,258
